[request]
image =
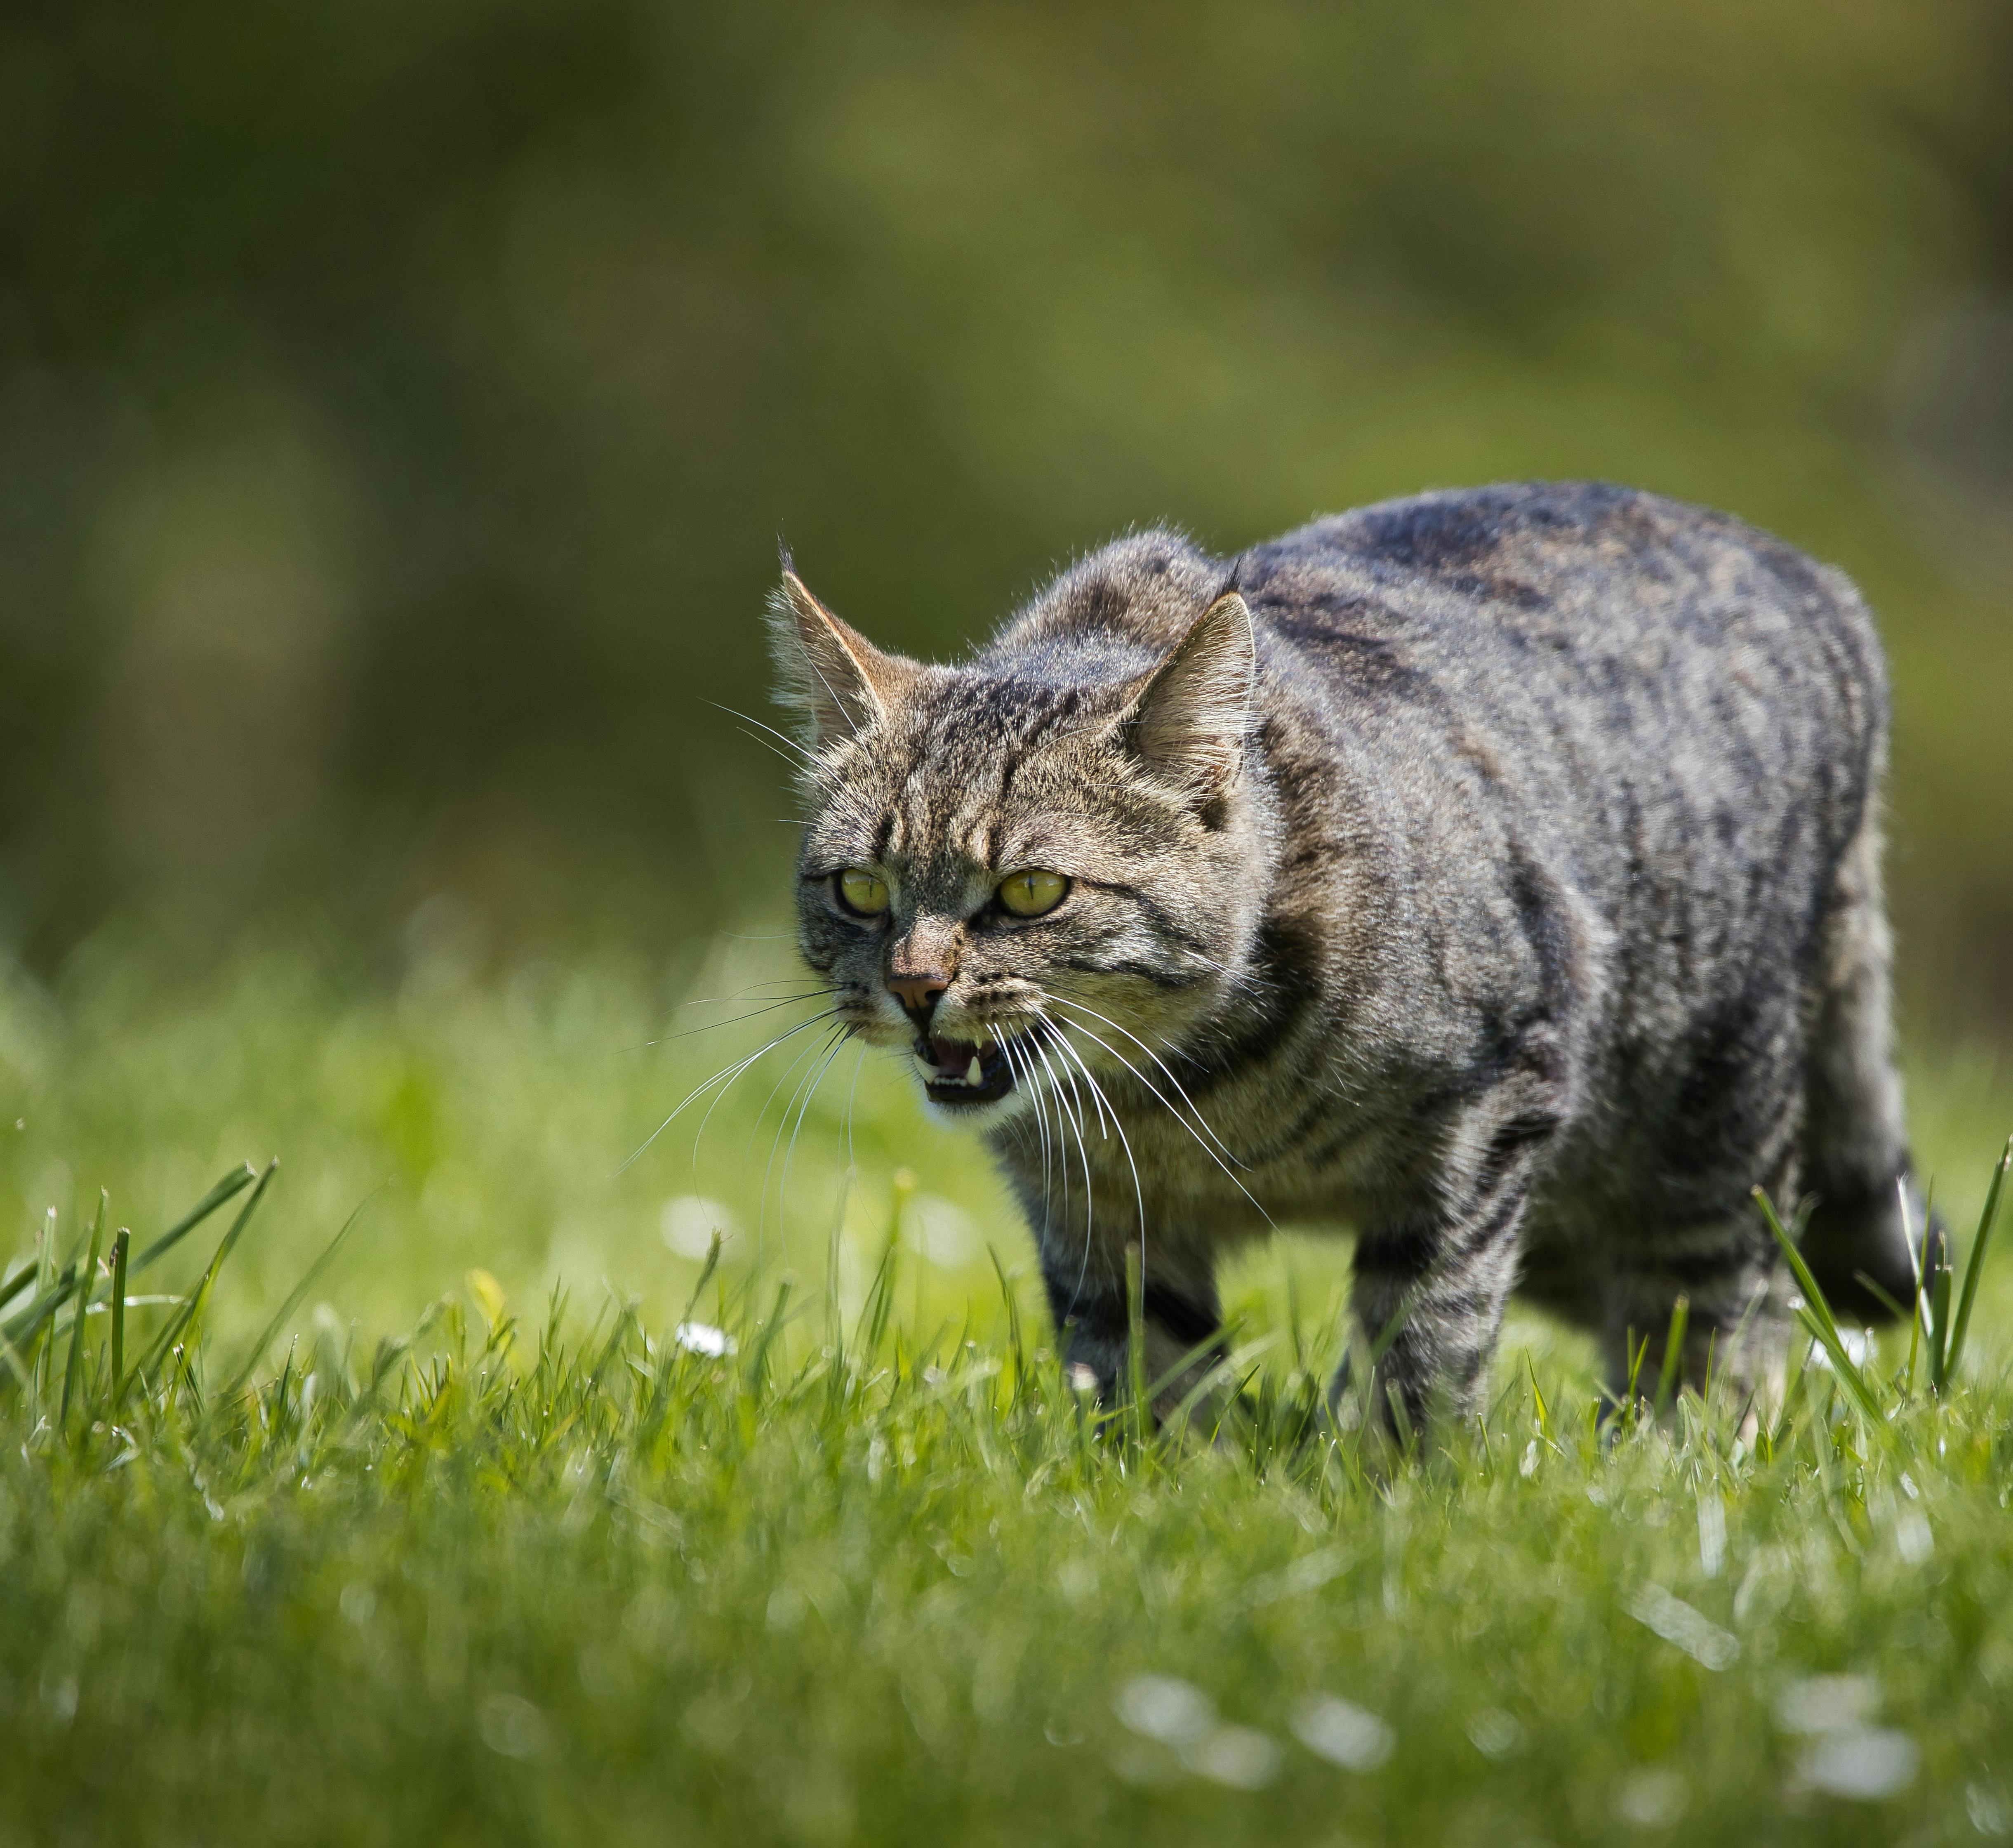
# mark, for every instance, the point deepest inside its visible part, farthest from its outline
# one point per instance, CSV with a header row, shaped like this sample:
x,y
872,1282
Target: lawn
x,y
526,1524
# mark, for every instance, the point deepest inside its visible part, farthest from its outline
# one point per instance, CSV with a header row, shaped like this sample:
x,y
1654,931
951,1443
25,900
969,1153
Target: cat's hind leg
x,y
1735,1328
1855,1149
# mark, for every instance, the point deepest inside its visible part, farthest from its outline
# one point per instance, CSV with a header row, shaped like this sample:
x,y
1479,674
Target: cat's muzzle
x,y
957,1071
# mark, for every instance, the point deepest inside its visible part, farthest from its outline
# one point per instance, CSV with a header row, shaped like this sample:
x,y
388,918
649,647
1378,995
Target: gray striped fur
x,y
1494,872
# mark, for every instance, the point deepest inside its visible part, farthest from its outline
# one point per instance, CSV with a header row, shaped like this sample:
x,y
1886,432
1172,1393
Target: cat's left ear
x,y
1187,724
827,669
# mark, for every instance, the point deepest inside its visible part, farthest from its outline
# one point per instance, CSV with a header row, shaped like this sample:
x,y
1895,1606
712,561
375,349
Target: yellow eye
x,y
863,893
1028,894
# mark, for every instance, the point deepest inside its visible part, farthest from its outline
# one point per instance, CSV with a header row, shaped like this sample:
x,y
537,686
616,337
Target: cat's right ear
x,y
1188,722
826,669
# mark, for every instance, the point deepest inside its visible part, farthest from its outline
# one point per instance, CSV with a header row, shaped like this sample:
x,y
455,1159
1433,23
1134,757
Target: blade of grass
x,y
1015,1348
228,1188
1135,1348
1987,1220
1919,1304
76,1358
295,1296
119,1249
164,1342
1638,1354
1817,1316
1871,1285
18,1282
758,1356
1940,1303
27,1324
705,1271
1674,1341
1538,1400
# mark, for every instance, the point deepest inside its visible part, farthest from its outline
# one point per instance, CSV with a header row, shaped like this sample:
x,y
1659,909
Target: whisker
x,y
728,1074
761,1116
1063,1001
714,1026
1171,1111
1074,1115
1022,1067
782,738
741,993
1097,1090
698,1135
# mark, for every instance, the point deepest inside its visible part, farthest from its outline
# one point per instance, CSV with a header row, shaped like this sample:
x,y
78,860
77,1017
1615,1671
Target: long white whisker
x,y
788,1000
1097,1089
1062,1000
789,1072
726,1075
698,1135
782,738
1171,1111
1074,1114
1023,1069
747,989
800,769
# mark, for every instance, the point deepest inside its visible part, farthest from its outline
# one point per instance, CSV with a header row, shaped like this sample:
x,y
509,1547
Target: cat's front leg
x,y
1182,1316
1431,1283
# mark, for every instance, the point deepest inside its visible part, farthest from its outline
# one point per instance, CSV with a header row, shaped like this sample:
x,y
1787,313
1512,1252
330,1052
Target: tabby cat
x,y
1495,873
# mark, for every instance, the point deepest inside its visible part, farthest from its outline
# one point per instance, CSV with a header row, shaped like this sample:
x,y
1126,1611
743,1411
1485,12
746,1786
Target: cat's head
x,y
1047,859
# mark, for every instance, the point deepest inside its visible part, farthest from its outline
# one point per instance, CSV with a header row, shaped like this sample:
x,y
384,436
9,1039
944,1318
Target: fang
x,y
972,1074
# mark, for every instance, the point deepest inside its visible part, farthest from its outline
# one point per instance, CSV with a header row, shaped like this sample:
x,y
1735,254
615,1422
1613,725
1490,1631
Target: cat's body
x,y
1496,873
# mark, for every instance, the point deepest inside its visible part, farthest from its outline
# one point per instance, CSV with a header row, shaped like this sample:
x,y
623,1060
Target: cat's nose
x,y
916,993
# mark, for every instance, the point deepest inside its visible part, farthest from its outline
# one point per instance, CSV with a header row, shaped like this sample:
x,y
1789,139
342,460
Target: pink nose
x,y
916,993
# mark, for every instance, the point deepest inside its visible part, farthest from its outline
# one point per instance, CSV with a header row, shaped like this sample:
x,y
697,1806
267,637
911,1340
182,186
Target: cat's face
x,y
1020,883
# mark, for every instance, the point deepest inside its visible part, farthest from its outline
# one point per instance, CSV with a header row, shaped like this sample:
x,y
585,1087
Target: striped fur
x,y
1494,872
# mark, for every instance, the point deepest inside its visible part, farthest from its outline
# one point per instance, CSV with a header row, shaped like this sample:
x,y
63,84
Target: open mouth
x,y
962,1072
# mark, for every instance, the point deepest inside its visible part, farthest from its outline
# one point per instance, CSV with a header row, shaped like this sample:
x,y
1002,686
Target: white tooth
x,y
927,1067
971,1073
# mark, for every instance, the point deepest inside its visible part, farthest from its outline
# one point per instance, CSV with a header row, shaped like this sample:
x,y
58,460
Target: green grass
x,y
456,1565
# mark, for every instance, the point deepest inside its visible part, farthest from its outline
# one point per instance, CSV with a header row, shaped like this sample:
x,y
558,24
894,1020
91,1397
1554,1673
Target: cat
x,y
1495,873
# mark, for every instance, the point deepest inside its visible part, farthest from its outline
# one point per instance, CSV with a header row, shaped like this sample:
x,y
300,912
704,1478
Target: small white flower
x,y
703,1337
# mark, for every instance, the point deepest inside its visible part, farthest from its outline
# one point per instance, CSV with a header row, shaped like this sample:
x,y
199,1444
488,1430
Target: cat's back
x,y
1634,609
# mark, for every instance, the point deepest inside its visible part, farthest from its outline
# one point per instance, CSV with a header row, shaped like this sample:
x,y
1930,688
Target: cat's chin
x,y
992,1115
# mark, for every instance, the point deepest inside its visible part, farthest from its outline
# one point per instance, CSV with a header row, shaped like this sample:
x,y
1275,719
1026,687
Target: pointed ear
x,y
825,668
1188,723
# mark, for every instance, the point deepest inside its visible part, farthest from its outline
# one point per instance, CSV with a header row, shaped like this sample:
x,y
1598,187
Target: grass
x,y
845,1559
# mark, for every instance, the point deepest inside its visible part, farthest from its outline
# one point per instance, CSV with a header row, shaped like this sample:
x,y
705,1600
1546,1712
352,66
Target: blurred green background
x,y
400,407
